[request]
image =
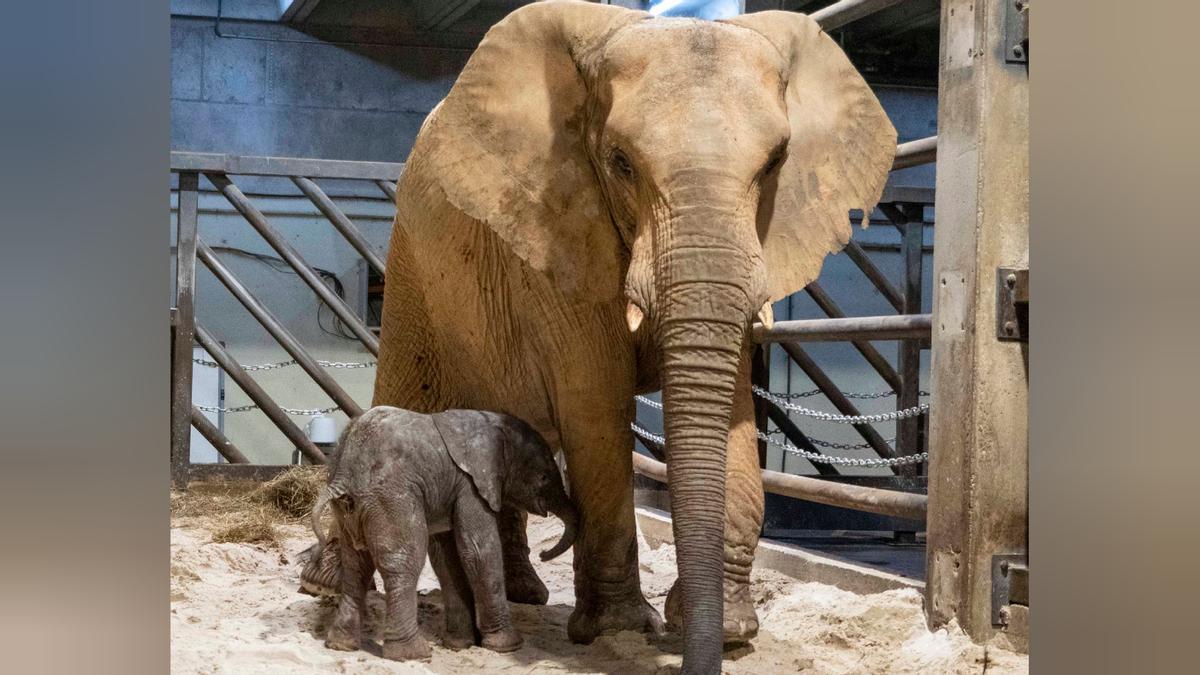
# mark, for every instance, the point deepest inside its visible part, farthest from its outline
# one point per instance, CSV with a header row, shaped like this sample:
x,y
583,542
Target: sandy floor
x,y
235,609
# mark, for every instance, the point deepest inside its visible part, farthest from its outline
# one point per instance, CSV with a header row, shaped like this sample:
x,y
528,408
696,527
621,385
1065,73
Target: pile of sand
x,y
235,609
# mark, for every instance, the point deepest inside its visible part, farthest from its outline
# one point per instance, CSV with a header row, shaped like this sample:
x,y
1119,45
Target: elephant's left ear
x,y
507,145
476,445
841,150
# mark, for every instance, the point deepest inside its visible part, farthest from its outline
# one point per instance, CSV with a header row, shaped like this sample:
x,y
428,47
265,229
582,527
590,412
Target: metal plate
x,y
1010,585
1012,304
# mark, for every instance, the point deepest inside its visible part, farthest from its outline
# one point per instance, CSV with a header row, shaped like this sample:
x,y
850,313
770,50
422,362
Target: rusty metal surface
x,y
278,331
908,430
257,394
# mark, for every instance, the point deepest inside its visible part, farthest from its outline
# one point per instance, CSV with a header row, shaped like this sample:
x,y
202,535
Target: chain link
x,y
847,394
814,457
831,445
840,419
292,362
300,412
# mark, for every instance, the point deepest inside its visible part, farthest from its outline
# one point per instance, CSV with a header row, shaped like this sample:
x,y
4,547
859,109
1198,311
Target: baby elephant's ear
x,y
475,443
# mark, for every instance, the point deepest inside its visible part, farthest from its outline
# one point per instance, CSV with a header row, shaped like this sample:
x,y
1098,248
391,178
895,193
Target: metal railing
x,y
218,170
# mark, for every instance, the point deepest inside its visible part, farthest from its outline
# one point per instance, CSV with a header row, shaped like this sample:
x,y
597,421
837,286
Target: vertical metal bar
x,y
256,219
258,395
877,277
185,319
979,422
223,445
872,355
339,220
907,440
277,331
837,398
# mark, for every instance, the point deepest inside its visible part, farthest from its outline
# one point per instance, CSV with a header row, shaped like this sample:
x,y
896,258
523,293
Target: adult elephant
x,y
599,207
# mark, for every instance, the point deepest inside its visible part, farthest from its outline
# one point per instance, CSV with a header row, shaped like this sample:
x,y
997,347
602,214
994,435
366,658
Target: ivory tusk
x,y
767,315
633,316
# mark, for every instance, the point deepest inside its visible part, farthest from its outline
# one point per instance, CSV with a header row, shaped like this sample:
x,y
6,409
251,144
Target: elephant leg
x,y
398,544
520,580
598,445
479,548
743,517
345,633
457,602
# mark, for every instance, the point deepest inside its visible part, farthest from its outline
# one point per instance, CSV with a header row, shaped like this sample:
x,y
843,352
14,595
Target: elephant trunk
x,y
701,341
570,517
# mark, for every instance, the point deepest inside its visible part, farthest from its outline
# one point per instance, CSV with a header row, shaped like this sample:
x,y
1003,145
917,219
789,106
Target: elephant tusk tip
x,y
767,315
633,316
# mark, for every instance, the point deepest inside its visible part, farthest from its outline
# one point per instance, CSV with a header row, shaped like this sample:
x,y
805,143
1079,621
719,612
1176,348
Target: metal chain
x,y
285,364
300,412
816,458
847,394
831,445
841,419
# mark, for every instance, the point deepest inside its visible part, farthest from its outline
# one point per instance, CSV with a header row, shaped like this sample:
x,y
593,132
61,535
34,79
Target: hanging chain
x,y
300,412
841,419
816,458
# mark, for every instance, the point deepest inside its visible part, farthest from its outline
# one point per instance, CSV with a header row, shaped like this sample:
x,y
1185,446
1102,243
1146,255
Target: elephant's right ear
x,y
476,445
506,145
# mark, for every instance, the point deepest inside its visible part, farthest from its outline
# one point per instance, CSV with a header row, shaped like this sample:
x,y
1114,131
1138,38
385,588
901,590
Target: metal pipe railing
x,y
900,327
257,220
877,277
847,11
914,153
223,445
339,220
281,334
860,498
258,395
868,351
389,189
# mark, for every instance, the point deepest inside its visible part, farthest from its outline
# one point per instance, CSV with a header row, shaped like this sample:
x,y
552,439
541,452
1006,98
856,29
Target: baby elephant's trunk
x,y
570,518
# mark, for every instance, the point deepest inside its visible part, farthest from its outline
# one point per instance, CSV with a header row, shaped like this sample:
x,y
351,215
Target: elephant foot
x,y
413,649
522,584
741,619
598,616
343,639
502,641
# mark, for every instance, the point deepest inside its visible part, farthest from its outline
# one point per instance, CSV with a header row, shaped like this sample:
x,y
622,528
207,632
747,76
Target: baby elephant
x,y
402,480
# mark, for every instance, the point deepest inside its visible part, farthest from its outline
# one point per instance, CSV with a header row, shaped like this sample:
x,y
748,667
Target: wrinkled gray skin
x,y
403,483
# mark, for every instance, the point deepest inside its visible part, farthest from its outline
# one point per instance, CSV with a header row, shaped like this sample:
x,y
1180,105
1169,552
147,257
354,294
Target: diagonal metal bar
x,y
223,445
848,11
389,189
877,277
258,395
277,331
872,355
797,437
839,400
335,215
256,219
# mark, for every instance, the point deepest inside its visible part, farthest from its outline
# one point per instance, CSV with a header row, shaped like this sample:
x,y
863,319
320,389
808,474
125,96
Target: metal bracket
x,y
1016,32
1012,304
1010,585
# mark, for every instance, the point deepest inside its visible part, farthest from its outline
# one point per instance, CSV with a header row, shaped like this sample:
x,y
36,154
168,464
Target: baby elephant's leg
x,y
478,539
398,539
345,632
520,580
456,592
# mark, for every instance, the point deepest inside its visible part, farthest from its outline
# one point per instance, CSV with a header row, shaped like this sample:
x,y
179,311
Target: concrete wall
x,y
283,93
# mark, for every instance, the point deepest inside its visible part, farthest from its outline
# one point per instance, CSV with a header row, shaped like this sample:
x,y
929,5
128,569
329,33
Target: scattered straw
x,y
292,492
257,529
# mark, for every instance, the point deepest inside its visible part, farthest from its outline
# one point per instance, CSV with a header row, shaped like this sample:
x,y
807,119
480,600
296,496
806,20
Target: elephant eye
x,y
620,164
775,160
